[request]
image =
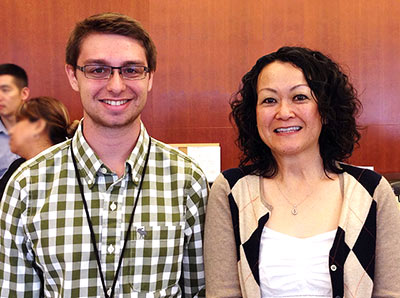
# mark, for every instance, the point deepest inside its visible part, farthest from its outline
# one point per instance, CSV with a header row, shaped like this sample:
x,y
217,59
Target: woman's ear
x,y
40,126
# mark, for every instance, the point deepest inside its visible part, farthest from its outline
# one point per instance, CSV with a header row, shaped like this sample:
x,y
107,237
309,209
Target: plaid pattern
x,y
364,258
45,239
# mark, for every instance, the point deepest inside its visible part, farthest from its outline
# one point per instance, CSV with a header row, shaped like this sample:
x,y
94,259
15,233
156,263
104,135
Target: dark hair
x,y
337,103
53,112
109,23
19,74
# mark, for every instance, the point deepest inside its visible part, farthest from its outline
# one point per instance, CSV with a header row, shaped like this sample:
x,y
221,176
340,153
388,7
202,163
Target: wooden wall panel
x,y
205,47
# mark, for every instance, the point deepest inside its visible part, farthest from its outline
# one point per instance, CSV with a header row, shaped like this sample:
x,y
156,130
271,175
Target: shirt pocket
x,y
156,254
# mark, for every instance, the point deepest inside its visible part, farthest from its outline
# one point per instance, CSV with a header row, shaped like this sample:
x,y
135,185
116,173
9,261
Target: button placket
x,y
113,206
110,249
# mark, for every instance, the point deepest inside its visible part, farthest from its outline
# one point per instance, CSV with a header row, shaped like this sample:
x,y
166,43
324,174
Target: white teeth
x,y
288,129
115,102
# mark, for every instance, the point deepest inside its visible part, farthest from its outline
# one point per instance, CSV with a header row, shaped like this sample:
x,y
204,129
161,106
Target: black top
x,y
11,169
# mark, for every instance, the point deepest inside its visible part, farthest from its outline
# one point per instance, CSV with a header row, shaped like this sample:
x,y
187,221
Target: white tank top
x,y
295,267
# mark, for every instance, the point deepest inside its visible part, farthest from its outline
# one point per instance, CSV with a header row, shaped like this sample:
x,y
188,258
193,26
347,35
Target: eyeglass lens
x,y
105,71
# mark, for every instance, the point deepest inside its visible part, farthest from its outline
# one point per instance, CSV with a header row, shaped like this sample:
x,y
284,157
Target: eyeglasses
x,y
103,72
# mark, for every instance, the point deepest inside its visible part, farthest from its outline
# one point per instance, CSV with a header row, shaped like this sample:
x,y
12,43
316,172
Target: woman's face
x,y
22,135
287,113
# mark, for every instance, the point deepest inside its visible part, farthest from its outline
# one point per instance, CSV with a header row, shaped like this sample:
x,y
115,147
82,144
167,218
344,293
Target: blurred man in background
x,y
13,90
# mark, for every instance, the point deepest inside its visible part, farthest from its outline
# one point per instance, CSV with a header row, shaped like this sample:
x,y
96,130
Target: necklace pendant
x,y
294,211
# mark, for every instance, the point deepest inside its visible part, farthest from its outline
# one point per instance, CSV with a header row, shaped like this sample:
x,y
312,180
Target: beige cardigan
x,y
364,259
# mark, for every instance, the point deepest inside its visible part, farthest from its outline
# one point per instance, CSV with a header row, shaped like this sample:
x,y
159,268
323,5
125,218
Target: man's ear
x,y
25,93
150,85
70,71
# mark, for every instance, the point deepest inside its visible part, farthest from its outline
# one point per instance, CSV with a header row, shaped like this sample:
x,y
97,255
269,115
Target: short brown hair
x,y
109,23
52,111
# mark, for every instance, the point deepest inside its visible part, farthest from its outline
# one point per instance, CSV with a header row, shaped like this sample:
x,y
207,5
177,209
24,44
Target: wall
x,y
206,46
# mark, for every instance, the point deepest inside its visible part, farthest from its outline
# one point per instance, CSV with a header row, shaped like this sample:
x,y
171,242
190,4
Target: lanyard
x,y
108,294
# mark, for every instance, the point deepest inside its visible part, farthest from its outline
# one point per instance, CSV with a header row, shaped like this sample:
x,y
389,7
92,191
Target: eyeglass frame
x,y
82,69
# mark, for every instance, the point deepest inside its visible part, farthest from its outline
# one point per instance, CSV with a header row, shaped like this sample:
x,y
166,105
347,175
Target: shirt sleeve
x,y
387,256
17,275
193,279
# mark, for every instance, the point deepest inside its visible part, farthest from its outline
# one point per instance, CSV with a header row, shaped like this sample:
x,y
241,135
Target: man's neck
x,y
112,145
8,122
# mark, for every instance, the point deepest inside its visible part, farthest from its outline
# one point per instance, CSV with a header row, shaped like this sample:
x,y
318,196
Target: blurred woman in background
x,y
294,220
41,123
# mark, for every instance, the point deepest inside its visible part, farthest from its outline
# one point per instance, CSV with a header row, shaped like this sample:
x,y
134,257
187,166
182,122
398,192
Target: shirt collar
x,y
136,159
89,163
3,128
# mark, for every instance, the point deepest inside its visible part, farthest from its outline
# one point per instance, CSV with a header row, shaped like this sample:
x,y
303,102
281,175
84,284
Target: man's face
x,y
11,96
113,102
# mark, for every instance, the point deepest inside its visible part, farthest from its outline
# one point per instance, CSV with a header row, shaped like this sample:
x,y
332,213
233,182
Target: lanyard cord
x,y
93,235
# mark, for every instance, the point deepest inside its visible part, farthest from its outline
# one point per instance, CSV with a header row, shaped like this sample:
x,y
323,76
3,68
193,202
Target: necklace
x,y
294,206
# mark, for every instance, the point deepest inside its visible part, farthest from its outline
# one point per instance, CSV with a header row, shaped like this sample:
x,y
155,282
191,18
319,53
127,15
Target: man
x,y
112,212
13,90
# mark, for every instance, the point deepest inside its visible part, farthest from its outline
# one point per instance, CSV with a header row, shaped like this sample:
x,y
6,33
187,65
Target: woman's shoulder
x,y
234,175
375,183
367,177
358,171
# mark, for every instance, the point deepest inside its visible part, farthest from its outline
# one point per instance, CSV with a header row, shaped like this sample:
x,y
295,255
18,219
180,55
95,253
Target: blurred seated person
x,y
294,220
41,123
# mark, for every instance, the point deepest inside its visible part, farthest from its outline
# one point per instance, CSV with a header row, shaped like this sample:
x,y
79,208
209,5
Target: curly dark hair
x,y
337,102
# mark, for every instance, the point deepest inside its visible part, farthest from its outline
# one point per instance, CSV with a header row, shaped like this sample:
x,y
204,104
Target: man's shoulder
x,y
176,158
170,152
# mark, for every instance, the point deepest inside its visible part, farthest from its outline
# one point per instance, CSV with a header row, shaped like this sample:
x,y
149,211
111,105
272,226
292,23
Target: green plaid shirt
x,y
45,238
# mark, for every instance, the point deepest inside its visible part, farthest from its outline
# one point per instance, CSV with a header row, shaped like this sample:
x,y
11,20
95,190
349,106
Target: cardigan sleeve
x,y
387,258
221,260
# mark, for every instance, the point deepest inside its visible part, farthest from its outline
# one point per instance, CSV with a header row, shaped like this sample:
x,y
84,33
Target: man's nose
x,y
116,83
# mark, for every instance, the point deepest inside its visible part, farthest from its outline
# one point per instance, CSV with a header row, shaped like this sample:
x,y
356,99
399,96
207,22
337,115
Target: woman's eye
x,y
269,100
300,97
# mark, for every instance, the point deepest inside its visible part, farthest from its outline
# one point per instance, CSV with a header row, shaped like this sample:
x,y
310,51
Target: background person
x,y
293,220
41,123
113,212
13,91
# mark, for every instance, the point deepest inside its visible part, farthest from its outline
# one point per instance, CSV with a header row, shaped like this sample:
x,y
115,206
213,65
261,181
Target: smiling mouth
x,y
287,129
115,102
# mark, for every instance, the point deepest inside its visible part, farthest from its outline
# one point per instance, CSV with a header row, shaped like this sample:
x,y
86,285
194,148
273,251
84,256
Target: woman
x,y
41,123
293,220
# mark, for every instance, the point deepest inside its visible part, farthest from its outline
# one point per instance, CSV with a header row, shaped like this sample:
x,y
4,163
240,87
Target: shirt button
x,y
109,291
110,249
103,170
113,206
136,180
333,267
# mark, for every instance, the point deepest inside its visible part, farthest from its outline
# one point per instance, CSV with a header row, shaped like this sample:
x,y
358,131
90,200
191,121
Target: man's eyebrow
x,y
104,62
95,61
